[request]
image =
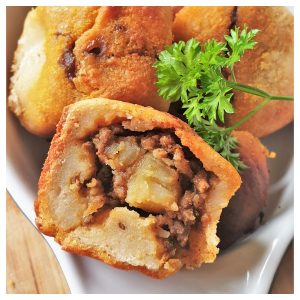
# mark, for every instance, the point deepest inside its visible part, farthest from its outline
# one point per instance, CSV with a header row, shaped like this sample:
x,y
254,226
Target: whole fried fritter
x,y
269,66
71,53
242,213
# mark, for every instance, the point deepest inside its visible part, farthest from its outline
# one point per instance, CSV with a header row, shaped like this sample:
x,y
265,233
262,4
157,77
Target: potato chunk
x,y
153,187
123,154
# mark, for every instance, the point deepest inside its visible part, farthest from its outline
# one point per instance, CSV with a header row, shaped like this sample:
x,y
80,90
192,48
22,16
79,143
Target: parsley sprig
x,y
221,140
195,76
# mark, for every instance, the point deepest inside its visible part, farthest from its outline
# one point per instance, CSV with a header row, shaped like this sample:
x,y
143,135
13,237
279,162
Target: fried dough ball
x,y
66,54
243,211
269,66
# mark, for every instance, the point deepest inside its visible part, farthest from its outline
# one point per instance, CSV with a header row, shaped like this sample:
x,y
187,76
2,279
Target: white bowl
x,y
247,267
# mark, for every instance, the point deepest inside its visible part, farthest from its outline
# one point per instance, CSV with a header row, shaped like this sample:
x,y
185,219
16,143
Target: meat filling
x,y
152,173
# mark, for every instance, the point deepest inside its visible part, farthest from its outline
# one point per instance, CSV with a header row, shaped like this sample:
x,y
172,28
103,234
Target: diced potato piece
x,y
153,187
123,154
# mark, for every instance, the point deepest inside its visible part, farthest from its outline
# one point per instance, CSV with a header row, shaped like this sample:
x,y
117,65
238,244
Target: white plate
x,y
247,267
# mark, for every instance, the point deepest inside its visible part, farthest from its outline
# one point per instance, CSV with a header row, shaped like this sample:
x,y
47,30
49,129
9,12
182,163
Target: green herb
x,y
221,140
195,76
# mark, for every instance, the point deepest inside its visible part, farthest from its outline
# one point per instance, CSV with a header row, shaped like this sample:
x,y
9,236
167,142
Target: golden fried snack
x,y
71,53
268,67
133,187
243,211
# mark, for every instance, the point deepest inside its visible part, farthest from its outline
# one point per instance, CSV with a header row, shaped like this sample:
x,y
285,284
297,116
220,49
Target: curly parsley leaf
x,y
178,72
212,54
222,141
184,67
239,43
195,76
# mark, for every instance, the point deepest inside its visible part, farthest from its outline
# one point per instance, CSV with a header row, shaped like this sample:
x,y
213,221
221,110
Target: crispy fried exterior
x,y
268,67
87,52
202,23
240,216
176,9
83,119
38,103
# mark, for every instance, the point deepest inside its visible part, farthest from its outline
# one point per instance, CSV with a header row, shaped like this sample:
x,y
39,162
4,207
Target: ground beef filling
x,y
152,173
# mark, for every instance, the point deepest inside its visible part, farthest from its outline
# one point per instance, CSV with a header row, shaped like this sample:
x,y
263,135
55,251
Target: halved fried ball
x,y
134,187
243,211
269,66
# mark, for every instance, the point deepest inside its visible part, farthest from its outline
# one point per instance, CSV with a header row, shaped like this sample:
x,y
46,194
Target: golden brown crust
x,y
268,67
240,215
176,9
43,103
83,119
46,224
202,23
131,37
126,40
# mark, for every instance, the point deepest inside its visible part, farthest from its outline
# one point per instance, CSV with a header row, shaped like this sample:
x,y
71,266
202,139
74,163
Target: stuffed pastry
x,y
70,53
134,187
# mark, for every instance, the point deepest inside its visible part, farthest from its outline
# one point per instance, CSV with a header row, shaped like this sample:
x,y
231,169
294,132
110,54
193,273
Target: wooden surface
x,y
32,267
